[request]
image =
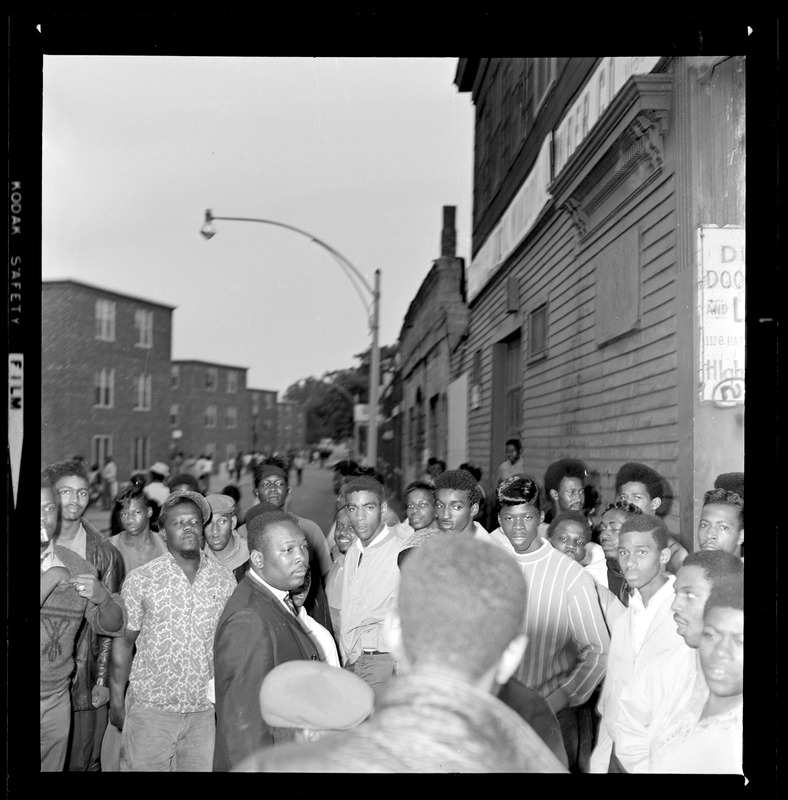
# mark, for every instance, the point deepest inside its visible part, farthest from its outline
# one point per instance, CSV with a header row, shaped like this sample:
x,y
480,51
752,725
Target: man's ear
x,y
234,522
740,540
510,659
664,555
554,494
256,557
474,510
656,502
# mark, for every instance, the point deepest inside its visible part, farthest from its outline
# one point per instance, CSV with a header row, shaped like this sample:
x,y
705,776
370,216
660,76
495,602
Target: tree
x,y
329,400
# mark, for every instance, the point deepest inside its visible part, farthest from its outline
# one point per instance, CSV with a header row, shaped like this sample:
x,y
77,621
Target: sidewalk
x,y
314,499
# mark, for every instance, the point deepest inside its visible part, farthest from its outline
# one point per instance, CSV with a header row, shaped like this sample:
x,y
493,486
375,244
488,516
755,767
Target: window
x,y
211,378
232,382
175,376
537,332
104,388
269,401
142,392
255,404
230,417
140,452
174,413
514,387
543,71
100,448
105,320
143,322
210,416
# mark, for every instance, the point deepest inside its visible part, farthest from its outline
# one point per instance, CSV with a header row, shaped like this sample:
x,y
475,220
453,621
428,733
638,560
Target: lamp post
x,y
359,283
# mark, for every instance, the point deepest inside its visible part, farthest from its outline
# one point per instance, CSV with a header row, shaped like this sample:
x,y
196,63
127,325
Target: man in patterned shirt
x,y
174,603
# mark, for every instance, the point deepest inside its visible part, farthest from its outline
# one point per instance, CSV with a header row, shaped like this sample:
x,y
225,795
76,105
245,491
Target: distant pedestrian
x,y
109,481
239,465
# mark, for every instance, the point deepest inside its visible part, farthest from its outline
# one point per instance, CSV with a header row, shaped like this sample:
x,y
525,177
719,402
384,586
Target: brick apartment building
x,y
209,410
105,376
263,420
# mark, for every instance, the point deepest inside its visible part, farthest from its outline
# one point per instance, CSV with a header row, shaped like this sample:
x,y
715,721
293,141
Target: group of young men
x,y
529,647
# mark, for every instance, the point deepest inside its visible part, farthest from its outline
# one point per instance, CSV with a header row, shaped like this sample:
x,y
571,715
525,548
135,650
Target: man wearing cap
x,y
157,490
303,700
222,543
174,603
258,630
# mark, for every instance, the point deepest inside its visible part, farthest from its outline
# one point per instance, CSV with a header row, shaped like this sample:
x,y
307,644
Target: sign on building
x,y
721,261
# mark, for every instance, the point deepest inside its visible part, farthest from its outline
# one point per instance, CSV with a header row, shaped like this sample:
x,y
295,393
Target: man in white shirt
x,y
514,461
370,584
665,684
644,631
457,499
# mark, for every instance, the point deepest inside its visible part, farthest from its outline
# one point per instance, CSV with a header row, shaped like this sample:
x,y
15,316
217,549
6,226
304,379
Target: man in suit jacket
x,y
258,630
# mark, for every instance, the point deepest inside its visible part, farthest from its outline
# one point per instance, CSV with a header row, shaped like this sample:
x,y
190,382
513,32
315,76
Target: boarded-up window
x,y
617,270
537,332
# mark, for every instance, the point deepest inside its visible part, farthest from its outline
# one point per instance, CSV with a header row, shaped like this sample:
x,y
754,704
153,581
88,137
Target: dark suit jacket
x,y
255,633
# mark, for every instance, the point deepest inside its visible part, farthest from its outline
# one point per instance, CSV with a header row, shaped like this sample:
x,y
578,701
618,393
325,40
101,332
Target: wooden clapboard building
x,y
606,284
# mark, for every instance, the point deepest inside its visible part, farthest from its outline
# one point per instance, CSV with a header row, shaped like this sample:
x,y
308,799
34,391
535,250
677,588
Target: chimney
x,y
449,234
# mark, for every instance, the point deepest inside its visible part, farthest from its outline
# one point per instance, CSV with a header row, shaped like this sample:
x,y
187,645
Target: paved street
x,y
314,499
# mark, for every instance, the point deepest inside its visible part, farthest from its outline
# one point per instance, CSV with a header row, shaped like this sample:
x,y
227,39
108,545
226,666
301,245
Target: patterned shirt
x,y
176,621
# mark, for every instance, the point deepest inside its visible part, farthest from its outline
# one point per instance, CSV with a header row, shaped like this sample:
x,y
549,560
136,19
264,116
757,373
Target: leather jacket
x,y
92,651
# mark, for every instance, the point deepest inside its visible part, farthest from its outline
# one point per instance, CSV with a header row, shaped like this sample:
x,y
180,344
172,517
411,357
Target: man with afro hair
x,y
643,486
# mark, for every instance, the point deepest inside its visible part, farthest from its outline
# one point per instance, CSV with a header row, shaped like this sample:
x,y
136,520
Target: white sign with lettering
x,y
721,261
514,224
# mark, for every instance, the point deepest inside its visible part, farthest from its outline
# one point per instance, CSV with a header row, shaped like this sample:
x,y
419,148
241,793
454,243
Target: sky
x,y
362,153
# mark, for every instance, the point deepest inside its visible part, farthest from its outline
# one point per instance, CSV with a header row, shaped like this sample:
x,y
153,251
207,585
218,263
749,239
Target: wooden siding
x,y
604,405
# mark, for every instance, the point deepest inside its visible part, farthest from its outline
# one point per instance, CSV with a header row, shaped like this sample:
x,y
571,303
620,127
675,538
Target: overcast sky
x,y
363,153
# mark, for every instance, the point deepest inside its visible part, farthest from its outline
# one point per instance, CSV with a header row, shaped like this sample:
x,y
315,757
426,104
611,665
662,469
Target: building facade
x,y
434,324
263,420
105,382
606,287
209,410
291,427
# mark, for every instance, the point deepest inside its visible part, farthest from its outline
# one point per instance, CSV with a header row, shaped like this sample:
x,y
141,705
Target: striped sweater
x,y
568,640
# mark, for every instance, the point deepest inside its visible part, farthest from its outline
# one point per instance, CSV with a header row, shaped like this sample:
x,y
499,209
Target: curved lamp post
x,y
373,311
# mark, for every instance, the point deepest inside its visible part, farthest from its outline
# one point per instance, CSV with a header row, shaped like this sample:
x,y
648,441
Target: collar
x,y
280,594
227,554
379,539
663,594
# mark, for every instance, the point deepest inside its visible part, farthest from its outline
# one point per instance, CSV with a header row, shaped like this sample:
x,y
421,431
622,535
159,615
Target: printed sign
x,y
721,260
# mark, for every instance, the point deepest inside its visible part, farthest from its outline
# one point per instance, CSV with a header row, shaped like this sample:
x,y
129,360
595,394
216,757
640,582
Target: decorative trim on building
x,y
625,149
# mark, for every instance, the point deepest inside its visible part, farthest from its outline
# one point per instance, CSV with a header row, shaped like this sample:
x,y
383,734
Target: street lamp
x,y
359,282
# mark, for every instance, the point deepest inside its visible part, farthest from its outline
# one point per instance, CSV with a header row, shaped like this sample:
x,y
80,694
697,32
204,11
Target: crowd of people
x,y
538,630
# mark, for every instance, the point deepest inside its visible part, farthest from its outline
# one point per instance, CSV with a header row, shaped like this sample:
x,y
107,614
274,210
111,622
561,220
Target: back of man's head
x,y
461,603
